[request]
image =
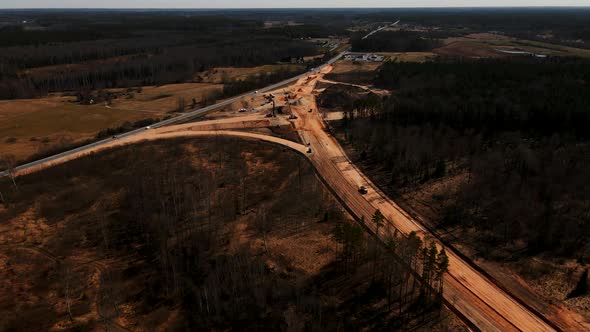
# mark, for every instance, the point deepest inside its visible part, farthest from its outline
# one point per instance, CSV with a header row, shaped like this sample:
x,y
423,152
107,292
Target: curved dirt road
x,y
166,133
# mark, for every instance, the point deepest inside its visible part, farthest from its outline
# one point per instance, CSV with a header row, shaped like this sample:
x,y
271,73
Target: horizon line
x,y
267,8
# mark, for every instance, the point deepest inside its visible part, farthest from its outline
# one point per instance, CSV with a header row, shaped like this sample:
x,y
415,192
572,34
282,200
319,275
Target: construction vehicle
x,y
363,190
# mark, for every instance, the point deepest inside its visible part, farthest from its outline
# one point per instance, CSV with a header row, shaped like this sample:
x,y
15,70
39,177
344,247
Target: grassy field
x,y
29,126
353,72
224,74
486,44
407,56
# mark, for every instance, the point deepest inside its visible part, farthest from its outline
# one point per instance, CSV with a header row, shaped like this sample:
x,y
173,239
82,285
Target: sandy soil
x,y
346,66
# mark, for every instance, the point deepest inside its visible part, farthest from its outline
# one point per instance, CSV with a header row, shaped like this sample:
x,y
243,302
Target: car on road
x,y
363,190
115,137
148,127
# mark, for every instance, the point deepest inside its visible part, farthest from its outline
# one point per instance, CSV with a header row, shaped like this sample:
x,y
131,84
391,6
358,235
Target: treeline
x,y
407,271
396,41
138,50
18,36
515,129
170,65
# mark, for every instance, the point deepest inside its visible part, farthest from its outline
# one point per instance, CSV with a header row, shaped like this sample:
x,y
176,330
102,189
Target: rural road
x,y
473,296
379,29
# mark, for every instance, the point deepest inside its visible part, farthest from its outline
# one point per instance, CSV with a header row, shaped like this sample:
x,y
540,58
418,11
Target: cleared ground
x,y
28,126
353,72
225,74
407,56
483,45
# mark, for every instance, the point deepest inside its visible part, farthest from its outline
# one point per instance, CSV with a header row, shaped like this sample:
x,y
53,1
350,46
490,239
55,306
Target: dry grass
x,y
31,125
160,99
348,66
224,74
468,48
485,45
408,56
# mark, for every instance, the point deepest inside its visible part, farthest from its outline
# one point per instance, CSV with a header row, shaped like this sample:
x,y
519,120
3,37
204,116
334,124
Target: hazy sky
x,y
282,4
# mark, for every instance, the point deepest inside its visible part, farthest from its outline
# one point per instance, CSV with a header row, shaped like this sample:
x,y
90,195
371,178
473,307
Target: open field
x,y
482,45
348,71
31,125
164,98
226,74
407,56
347,66
359,72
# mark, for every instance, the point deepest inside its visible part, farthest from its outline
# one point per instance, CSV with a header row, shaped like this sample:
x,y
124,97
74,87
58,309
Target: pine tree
x,y
378,219
442,266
